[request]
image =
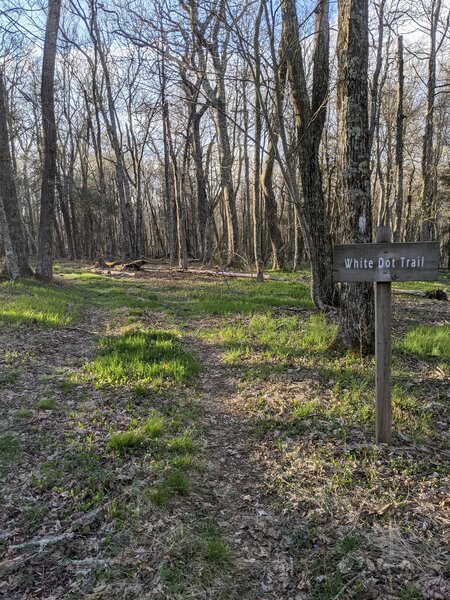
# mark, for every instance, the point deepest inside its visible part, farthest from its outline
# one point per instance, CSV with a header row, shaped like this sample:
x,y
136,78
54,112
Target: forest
x,y
189,397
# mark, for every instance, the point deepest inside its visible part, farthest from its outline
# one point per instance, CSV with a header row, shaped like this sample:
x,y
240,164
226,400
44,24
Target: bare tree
x,y
309,113
399,142
428,172
10,219
356,324
44,267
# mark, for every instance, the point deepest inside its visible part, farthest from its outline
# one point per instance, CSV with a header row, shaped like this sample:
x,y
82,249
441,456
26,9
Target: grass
x,y
175,482
8,376
427,341
126,441
9,448
244,297
183,444
271,337
142,356
410,592
61,303
23,413
138,437
46,404
198,562
78,474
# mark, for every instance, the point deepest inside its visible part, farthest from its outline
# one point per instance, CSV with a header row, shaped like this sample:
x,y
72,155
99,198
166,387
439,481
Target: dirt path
x,y
236,484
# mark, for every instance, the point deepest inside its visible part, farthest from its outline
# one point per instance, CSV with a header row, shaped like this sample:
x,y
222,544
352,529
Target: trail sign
x,y
386,262
383,263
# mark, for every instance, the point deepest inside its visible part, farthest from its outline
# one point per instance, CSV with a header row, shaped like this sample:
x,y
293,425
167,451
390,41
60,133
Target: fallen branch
x,y
212,273
45,541
429,294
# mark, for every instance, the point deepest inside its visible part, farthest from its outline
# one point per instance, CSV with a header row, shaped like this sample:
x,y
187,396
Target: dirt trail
x,y
236,484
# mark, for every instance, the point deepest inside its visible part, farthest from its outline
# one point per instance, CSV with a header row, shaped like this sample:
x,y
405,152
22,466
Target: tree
x,y
356,321
10,219
399,143
429,178
44,266
309,114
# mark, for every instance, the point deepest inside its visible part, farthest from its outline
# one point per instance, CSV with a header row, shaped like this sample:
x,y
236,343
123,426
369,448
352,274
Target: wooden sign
x,y
383,263
417,261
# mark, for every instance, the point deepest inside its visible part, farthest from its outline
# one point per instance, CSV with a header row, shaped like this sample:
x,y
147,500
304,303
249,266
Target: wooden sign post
x,y
382,263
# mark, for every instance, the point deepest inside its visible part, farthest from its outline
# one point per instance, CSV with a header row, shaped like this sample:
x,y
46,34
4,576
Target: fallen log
x,y
135,265
429,294
213,273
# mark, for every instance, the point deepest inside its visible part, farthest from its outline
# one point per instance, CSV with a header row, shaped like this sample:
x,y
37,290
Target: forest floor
x,y
169,435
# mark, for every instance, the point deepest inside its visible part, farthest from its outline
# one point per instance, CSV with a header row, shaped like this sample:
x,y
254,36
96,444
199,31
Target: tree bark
x,y
399,144
356,324
44,266
309,116
11,227
428,176
257,248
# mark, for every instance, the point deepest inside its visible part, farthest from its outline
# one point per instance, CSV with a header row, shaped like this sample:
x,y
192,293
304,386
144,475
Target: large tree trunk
x,y
44,267
356,325
257,245
310,118
11,226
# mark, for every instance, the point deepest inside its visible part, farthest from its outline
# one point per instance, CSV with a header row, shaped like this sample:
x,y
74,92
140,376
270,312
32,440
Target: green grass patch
x,y
427,341
269,337
197,563
183,444
9,448
410,592
46,404
175,482
138,437
61,303
154,426
23,413
67,385
142,356
33,302
124,442
8,376
245,297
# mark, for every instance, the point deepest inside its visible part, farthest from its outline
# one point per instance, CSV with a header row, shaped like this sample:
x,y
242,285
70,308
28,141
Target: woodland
x,y
186,393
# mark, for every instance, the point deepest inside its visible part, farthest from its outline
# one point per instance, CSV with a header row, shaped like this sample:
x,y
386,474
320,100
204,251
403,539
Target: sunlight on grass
x,y
245,297
144,356
34,302
271,337
61,303
427,340
139,436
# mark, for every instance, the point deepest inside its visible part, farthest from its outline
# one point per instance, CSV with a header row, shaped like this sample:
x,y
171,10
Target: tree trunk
x,y
428,177
12,227
399,144
309,116
257,249
356,324
44,267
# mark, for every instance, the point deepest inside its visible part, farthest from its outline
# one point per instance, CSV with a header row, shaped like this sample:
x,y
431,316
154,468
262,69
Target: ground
x,y
173,435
